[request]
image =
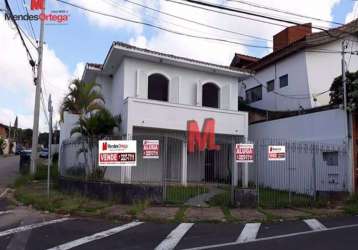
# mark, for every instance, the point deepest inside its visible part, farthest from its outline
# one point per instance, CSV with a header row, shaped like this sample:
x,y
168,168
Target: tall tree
x,y
336,91
82,98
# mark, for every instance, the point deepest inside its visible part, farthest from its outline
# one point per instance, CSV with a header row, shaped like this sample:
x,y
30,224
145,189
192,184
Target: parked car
x,y
44,153
25,160
18,149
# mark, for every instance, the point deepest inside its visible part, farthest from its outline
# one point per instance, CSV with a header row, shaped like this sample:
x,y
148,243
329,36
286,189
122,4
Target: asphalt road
x,y
25,228
9,167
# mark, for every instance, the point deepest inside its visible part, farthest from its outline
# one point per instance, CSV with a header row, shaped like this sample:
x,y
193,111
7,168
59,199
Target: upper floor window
x,y
270,85
254,94
210,97
283,81
158,86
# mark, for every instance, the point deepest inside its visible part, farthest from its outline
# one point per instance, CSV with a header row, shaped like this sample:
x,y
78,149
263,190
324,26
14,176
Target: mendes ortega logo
x,y
52,17
37,4
117,153
204,139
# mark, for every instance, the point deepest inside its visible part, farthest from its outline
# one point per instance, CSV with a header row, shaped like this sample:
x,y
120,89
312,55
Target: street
x,y
25,228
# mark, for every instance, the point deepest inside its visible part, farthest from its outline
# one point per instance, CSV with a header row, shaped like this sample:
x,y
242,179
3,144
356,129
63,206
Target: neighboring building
x,y
300,70
157,94
3,130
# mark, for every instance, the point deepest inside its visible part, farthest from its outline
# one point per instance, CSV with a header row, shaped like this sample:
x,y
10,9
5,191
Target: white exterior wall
x,y
295,67
308,73
106,89
136,74
326,127
323,68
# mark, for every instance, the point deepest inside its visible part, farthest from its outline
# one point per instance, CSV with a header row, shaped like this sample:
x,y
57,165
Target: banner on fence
x,y
117,153
276,153
150,149
244,153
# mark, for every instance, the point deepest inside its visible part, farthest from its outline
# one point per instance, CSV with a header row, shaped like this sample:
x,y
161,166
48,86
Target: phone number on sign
x,y
117,157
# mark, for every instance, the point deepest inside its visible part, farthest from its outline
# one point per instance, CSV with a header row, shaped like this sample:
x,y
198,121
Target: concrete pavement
x,y
9,167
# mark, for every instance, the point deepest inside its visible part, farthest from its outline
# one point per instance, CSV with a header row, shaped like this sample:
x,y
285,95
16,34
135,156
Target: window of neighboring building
x,y
210,97
158,87
270,85
254,94
331,158
283,81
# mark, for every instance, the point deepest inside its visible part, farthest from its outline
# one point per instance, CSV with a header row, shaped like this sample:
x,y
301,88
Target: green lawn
x,y
271,198
180,194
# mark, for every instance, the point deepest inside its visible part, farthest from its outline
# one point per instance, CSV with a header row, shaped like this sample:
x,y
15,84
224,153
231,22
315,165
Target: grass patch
x,y
180,194
351,205
180,215
34,193
270,198
138,207
227,214
221,200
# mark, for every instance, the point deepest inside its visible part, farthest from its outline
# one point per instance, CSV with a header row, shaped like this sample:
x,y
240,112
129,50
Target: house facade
x,y
157,94
299,72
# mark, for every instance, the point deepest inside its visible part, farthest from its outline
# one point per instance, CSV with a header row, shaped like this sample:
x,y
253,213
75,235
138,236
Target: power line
x,y
196,22
30,22
283,11
31,60
163,28
259,15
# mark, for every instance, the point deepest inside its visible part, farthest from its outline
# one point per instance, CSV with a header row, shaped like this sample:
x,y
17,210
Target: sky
x,y
87,37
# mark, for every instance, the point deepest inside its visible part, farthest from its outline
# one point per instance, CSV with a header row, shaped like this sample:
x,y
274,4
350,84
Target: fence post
x,y
233,172
289,156
257,160
314,172
164,169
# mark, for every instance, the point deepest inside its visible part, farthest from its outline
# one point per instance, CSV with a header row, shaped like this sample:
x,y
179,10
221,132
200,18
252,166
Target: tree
x,y
2,145
82,98
97,125
336,91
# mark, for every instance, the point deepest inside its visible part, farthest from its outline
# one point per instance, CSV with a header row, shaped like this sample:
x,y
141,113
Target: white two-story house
x,y
300,70
157,94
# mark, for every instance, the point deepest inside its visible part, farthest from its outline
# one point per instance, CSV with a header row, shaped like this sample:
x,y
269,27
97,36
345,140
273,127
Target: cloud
x,y
117,8
219,52
353,14
17,87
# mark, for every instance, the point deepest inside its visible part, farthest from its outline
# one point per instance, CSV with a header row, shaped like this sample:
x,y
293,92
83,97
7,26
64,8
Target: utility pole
x,y
50,110
35,128
347,116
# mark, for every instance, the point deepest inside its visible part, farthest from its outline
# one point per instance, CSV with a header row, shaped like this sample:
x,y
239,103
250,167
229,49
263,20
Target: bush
x,y
41,172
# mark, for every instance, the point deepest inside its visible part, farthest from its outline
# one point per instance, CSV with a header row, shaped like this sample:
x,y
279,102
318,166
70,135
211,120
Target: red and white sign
x,y
117,153
244,153
150,149
276,153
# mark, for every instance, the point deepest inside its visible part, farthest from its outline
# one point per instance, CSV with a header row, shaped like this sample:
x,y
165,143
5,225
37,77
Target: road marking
x,y
249,232
32,226
273,237
174,237
6,212
3,193
95,236
315,225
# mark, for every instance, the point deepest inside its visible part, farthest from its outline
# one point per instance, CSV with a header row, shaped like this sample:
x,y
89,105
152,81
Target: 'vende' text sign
x,y
244,153
117,153
276,153
150,149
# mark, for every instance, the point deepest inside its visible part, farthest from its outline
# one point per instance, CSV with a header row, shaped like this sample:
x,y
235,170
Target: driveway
x,y
8,170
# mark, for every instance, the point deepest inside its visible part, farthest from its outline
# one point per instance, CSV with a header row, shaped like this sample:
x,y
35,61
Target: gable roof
x,y
308,41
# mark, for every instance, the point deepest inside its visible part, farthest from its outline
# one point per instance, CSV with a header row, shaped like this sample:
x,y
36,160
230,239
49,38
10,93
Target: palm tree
x,y
82,98
98,124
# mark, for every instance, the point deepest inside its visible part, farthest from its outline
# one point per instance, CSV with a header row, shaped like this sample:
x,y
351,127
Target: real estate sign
x,y
276,153
117,153
244,153
150,149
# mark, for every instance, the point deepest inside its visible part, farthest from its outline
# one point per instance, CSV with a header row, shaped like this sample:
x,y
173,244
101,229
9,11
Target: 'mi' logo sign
x,y
204,139
37,4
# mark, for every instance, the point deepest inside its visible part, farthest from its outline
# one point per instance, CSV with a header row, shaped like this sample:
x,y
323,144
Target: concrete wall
x,y
326,126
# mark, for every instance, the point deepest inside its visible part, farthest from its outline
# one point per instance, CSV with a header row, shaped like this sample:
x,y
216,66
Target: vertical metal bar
x,y
289,156
164,171
314,172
